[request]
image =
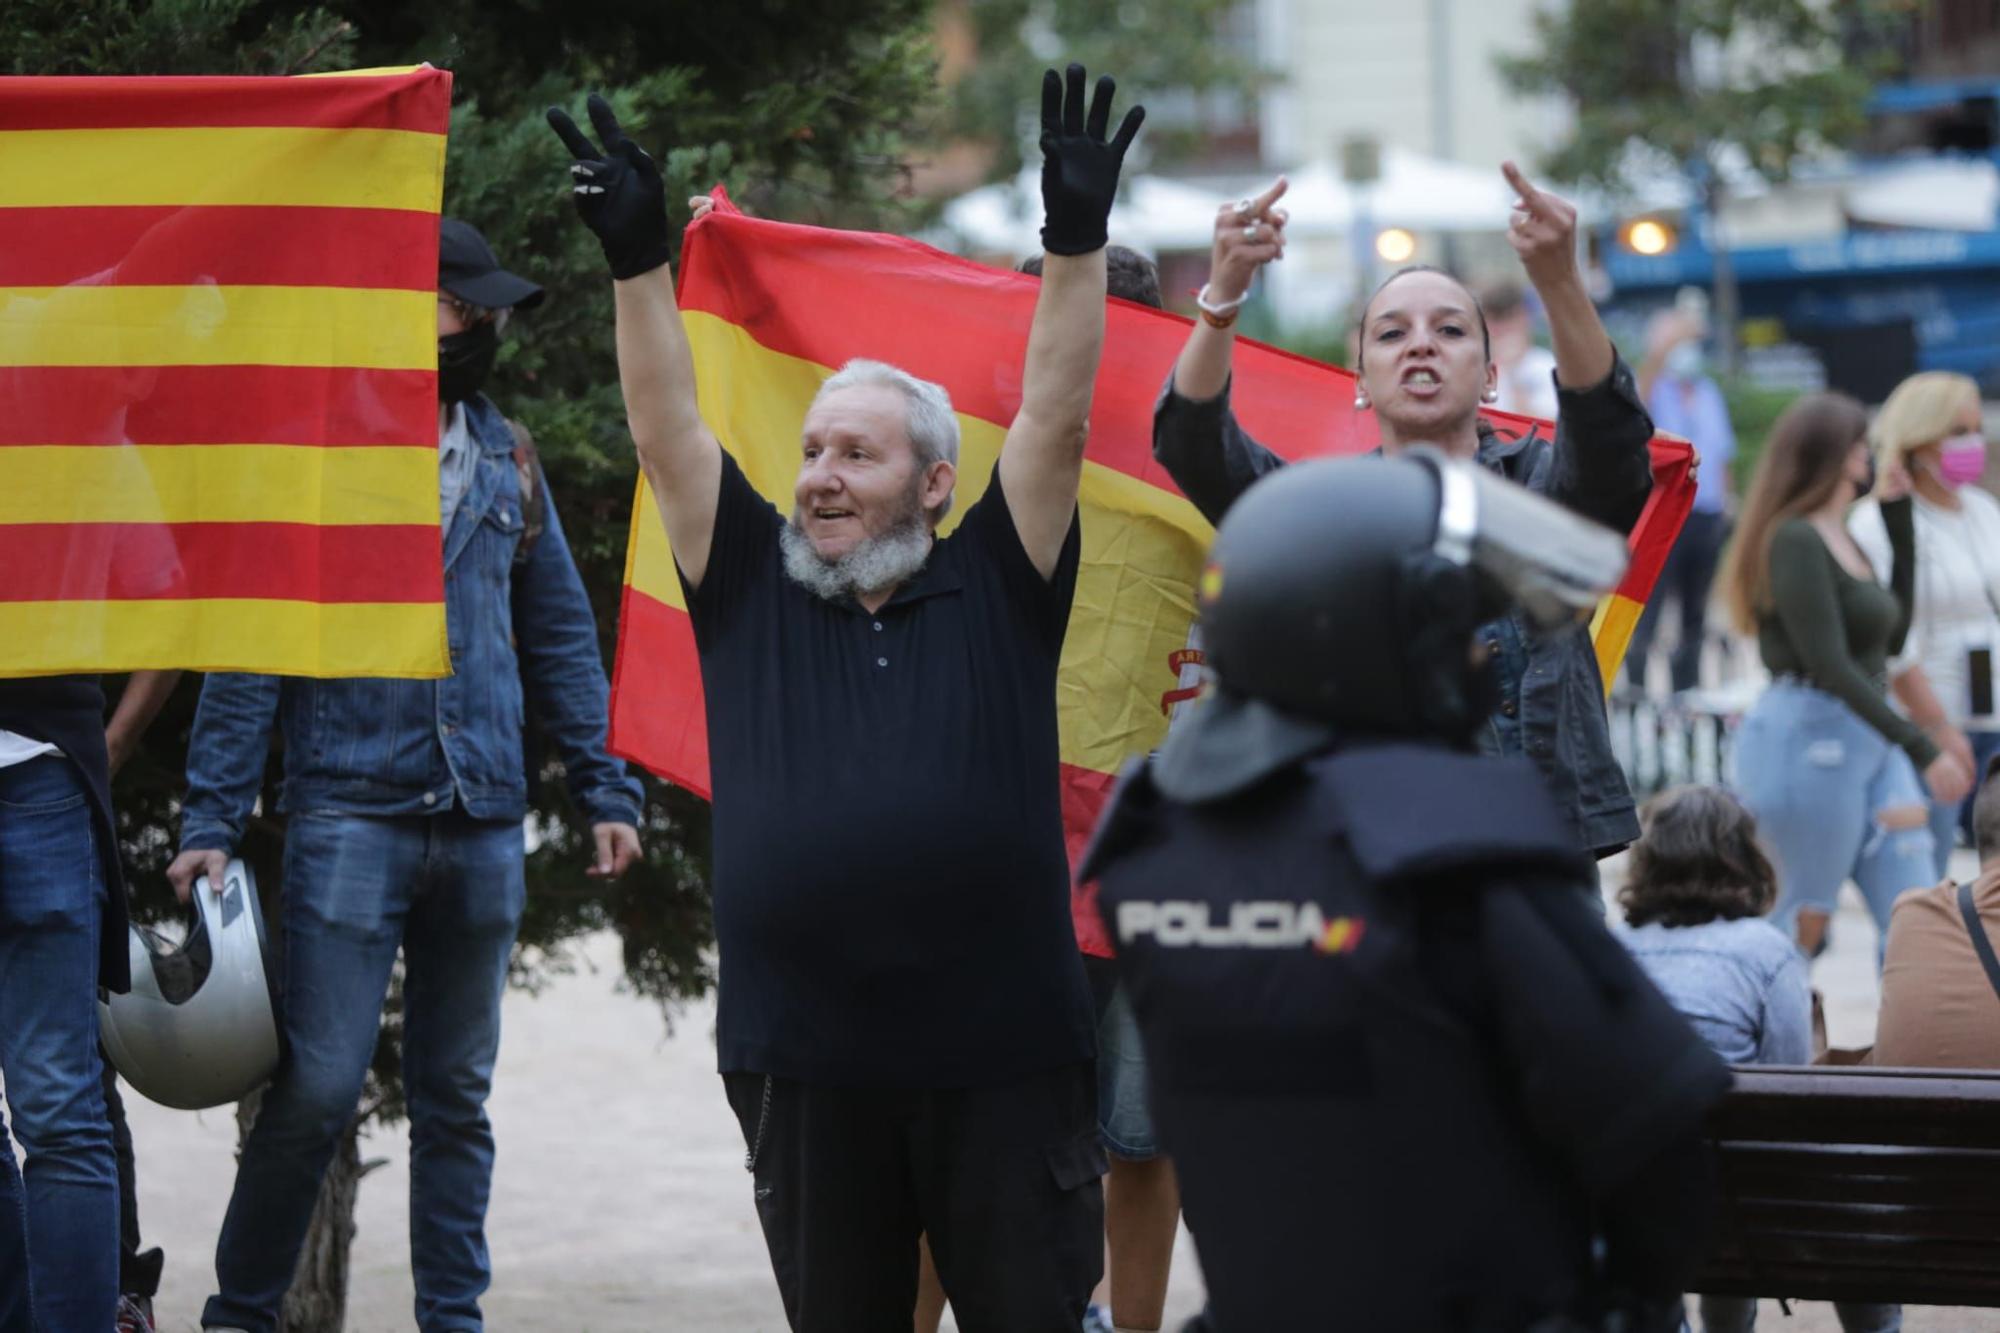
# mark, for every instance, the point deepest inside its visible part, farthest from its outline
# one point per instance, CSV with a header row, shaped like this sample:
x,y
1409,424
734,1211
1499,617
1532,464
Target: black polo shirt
x,y
891,889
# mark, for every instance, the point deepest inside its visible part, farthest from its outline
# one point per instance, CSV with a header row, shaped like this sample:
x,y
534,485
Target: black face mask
x,y
465,359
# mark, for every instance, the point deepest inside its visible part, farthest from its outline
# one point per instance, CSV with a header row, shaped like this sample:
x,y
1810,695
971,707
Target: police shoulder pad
x,y
1412,810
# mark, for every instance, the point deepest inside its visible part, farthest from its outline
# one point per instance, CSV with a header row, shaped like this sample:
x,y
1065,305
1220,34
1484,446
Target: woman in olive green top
x,y
1823,761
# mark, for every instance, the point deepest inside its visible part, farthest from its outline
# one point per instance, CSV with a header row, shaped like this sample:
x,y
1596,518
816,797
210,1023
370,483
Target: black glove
x,y
1080,169
619,193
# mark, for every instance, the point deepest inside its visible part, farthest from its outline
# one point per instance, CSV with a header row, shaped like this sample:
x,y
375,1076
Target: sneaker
x,y
1097,1319
135,1315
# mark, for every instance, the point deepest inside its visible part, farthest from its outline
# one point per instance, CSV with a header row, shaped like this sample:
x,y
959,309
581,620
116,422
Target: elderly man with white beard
x,y
905,1031
859,531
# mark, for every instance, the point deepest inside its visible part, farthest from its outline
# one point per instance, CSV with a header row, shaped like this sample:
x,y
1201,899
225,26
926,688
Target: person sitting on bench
x,y
1695,898
1940,981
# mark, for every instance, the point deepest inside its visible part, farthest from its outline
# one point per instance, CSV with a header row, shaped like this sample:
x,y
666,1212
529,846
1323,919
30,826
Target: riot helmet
x,y
199,1027
1341,597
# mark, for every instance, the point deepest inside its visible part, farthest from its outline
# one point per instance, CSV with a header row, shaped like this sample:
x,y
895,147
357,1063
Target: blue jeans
x,y
59,1214
1124,1115
1948,819
448,889
1817,777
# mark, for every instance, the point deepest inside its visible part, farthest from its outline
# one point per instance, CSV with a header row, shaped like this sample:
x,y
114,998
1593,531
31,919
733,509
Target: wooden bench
x,y
1858,1184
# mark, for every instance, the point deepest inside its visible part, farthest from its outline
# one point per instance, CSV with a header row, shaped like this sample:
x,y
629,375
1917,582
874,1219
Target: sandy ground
x,y
620,1200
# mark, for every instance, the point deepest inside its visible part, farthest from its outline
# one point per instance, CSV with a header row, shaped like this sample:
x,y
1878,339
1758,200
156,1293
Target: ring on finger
x,y
1245,207
1250,232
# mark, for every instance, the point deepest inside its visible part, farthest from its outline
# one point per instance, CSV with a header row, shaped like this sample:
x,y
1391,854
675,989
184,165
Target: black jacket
x,y
1598,465
1406,1077
68,713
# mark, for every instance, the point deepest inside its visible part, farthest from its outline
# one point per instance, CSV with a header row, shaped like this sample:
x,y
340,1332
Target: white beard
x,y
878,562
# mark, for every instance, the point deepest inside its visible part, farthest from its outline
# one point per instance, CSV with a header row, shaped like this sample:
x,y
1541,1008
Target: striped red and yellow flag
x,y
773,309
218,374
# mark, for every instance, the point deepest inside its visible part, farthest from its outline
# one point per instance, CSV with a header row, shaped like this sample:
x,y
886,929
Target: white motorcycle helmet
x,y
199,1027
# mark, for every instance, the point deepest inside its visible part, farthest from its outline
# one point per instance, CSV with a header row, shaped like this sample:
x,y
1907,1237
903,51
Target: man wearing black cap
x,y
406,799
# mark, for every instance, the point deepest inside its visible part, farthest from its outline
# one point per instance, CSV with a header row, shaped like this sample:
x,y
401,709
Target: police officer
x,y
1409,1080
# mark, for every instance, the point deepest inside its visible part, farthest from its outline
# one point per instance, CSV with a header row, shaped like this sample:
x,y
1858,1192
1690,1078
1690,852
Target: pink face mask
x,y
1961,459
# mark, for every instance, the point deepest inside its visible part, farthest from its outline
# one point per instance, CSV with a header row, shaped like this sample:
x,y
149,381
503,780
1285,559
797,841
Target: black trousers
x,y
1684,579
1005,1180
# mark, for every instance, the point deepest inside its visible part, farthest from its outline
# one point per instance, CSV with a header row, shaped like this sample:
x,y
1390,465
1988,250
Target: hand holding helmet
x,y
197,864
199,1027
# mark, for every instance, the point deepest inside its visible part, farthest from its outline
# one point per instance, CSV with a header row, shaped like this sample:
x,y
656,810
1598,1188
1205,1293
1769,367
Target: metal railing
x,y
1662,740
1663,743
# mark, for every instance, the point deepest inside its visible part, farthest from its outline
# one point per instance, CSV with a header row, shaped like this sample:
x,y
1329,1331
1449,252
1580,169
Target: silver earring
x,y
1490,396
1361,402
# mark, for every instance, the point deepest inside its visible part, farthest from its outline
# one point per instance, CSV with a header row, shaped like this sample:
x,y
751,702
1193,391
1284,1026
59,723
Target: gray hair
x,y
932,426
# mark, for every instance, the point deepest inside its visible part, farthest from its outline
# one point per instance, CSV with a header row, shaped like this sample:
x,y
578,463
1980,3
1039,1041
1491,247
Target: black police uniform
x,y
1407,1079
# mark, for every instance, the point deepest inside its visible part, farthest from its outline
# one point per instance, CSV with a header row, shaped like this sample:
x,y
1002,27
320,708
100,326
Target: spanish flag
x,y
774,309
218,374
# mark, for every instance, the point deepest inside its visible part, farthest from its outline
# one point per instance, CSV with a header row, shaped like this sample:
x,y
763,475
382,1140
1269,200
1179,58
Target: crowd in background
x,y
1855,561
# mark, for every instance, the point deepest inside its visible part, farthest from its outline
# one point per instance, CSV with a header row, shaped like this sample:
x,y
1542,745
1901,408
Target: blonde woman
x,y
1944,678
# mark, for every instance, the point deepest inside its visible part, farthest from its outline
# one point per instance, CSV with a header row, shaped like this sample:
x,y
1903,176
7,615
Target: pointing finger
x,y
1274,192
1531,198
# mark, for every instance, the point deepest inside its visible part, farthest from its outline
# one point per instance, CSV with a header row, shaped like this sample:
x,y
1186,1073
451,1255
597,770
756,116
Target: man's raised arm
x,y
1041,463
620,196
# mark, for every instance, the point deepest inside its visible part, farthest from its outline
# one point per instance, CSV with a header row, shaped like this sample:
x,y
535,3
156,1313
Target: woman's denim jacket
x,y
1598,465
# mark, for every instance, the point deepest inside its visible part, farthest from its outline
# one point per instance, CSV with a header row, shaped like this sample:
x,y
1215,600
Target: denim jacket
x,y
1741,983
407,747
1598,465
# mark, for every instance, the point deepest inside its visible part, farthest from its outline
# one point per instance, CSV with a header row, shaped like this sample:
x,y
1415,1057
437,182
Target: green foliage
x,y
171,37
1753,410
804,111
1161,47
1779,79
